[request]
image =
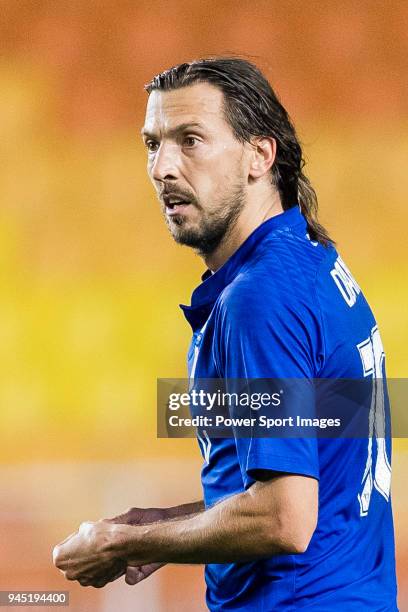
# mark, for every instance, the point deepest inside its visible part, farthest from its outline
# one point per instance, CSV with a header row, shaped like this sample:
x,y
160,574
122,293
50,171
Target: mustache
x,y
183,194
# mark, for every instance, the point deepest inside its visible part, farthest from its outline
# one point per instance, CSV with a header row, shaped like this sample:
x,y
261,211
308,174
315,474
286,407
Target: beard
x,y
213,226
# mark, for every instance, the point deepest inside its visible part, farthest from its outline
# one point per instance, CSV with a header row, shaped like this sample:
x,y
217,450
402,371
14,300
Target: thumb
x,y
133,574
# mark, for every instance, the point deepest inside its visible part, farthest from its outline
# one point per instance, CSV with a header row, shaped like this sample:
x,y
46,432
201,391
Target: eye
x,y
190,141
151,146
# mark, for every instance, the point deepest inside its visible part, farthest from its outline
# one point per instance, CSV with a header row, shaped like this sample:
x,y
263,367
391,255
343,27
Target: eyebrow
x,y
183,127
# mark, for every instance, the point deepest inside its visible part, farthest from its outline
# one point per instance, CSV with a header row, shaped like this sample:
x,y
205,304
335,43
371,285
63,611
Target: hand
x,y
89,555
139,516
66,555
135,574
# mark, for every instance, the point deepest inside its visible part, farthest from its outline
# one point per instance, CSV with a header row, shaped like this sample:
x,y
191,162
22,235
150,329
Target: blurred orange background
x,y
91,281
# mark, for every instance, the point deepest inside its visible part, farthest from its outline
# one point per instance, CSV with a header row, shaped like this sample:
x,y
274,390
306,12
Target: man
x,y
286,524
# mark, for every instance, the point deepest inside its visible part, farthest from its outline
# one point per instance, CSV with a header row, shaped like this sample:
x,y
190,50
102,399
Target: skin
x,y
193,154
263,521
192,150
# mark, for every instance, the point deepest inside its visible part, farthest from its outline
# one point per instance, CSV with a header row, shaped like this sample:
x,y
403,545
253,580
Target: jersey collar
x,y
205,295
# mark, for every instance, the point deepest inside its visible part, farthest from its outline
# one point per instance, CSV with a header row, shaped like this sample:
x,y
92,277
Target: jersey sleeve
x,y
268,334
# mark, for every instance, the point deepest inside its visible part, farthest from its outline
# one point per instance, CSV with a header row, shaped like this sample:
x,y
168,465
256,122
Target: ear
x,y
263,156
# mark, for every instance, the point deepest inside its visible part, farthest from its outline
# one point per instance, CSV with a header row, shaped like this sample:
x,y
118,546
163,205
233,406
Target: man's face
x,y
195,163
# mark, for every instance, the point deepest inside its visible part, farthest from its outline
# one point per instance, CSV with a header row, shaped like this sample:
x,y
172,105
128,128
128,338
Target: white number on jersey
x,y
372,358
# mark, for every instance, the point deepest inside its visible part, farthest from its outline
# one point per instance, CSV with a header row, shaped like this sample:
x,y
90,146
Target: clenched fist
x,y
91,556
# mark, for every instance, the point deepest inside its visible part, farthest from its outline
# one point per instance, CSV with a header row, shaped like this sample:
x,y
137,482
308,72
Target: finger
x,y
59,549
98,584
101,582
117,575
133,575
71,535
137,573
150,568
121,519
113,519
100,578
84,581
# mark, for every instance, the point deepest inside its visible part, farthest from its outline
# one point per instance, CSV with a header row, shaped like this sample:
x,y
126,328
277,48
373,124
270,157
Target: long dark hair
x,y
253,109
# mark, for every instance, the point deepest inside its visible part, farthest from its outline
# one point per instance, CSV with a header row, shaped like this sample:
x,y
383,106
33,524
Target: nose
x,y
165,165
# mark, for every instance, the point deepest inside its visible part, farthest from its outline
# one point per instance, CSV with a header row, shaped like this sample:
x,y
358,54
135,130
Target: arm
x,y
275,516
139,516
143,516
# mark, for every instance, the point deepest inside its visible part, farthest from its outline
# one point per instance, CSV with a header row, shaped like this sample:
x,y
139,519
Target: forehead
x,y
199,103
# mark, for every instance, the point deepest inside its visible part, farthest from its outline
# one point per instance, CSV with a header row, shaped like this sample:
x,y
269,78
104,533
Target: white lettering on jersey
x,y
372,358
345,282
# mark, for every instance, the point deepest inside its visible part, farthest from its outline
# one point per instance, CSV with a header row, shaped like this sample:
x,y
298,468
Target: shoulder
x,y
281,279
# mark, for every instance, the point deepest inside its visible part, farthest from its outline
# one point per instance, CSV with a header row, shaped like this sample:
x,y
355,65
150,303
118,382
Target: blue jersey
x,y
284,306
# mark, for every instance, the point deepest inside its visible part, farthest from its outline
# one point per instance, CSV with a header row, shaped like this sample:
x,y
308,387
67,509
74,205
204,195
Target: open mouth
x,y
175,204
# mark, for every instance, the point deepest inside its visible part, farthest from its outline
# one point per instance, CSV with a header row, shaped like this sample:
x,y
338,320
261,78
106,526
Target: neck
x,y
252,216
